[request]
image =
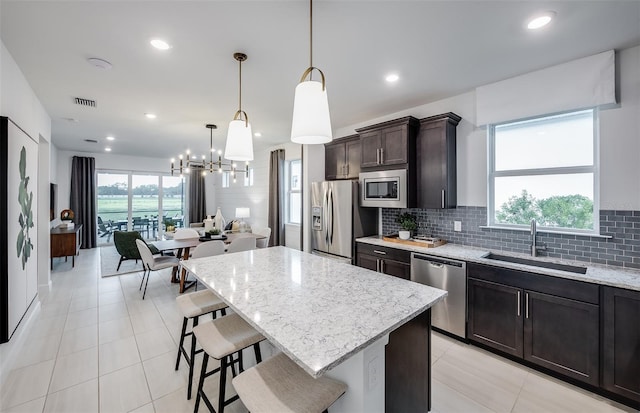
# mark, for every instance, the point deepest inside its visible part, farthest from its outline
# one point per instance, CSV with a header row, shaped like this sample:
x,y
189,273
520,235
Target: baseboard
x,y
9,350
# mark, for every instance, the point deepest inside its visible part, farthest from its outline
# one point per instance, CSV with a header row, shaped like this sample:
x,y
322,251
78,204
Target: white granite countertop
x,y
596,274
316,310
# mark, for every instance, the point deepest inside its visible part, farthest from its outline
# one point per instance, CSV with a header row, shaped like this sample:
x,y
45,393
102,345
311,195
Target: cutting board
x,y
415,242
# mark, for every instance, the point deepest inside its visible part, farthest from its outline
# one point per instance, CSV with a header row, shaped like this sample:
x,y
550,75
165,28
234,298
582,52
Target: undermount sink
x,y
535,263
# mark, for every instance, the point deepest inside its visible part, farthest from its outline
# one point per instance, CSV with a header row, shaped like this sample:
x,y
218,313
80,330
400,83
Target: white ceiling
x,y
439,49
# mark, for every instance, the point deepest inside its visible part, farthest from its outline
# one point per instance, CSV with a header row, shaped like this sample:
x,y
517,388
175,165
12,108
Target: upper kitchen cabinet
x,y
342,158
389,145
436,159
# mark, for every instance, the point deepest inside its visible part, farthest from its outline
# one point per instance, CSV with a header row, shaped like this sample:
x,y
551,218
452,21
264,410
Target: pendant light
x,y
239,139
311,121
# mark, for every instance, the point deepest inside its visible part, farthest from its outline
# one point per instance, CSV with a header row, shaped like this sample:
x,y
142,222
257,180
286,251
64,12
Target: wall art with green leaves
x,y
25,219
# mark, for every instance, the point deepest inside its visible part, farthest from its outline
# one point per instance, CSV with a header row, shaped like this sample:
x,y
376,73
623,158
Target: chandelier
x,y
188,163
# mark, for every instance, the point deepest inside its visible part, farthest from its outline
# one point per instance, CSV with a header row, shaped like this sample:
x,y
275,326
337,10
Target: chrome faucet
x,y
534,247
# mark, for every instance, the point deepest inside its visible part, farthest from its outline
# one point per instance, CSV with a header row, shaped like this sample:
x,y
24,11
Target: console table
x,y
65,242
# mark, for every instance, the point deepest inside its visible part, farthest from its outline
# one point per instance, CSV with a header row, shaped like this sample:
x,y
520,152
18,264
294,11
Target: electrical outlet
x,y
457,226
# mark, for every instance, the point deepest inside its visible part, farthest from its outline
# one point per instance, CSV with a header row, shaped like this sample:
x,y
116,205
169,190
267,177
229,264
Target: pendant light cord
x,y
310,33
240,88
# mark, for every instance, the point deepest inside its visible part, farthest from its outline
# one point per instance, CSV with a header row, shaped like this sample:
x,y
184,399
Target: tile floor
x,y
95,345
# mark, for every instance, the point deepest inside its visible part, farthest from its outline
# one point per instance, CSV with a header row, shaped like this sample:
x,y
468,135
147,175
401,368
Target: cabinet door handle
x,y
377,264
381,155
378,156
442,198
518,305
526,305
347,168
382,266
380,252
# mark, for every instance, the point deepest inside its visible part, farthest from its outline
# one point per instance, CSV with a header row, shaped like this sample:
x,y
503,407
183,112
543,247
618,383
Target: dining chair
x,y
264,242
208,249
185,233
151,263
242,244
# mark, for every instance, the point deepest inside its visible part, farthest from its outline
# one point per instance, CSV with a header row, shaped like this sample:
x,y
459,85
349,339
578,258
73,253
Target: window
x,y
545,169
293,174
137,201
226,177
248,178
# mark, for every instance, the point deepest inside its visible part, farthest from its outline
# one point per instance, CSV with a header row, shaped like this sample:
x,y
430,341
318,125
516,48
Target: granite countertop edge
x,y
596,274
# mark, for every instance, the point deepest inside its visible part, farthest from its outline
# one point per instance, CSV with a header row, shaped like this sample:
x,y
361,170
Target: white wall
x,y
106,161
255,197
619,141
19,102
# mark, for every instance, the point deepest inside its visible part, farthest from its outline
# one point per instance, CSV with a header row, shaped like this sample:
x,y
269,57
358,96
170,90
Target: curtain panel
x,y
276,197
197,199
83,198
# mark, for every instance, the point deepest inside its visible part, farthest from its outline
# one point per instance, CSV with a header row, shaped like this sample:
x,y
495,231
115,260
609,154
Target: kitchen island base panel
x,y
364,373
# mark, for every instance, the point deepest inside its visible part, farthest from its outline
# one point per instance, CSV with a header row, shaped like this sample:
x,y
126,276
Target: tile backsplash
x,y
622,250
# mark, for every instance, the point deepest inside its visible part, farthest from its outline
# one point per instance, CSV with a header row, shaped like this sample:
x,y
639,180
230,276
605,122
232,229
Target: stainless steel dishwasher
x,y
450,314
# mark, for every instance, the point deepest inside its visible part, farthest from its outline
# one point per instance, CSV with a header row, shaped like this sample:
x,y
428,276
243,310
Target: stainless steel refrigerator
x,y
337,219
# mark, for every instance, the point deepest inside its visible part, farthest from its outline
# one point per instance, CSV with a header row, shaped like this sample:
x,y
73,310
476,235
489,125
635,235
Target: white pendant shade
x,y
239,142
311,120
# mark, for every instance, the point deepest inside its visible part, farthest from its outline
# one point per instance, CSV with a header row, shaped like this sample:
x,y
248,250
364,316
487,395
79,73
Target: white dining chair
x,y
185,233
264,242
151,263
208,249
242,244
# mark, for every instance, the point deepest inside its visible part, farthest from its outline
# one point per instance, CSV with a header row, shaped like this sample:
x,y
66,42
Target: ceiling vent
x,y
85,102
91,140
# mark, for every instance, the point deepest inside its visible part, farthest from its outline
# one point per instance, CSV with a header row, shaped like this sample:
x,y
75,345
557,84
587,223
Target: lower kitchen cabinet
x,y
621,342
494,316
562,335
408,353
538,318
390,261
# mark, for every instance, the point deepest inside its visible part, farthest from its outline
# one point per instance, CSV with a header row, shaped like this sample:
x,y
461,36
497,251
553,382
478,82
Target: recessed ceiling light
x,y
71,120
150,115
160,44
257,134
100,63
107,149
392,78
540,20
110,138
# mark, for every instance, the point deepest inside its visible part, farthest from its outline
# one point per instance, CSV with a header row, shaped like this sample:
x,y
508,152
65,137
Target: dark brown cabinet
x,y
390,261
408,353
436,161
342,158
551,322
562,335
66,243
389,145
495,318
621,343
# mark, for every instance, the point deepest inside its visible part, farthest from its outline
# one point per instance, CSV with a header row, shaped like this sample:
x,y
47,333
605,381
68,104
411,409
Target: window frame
x,y
492,174
248,177
225,179
289,191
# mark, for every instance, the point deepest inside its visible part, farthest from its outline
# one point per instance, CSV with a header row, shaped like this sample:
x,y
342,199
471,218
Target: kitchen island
x,y
329,317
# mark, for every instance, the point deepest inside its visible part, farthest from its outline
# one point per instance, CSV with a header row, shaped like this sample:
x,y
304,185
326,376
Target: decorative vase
x,y
404,234
219,220
208,223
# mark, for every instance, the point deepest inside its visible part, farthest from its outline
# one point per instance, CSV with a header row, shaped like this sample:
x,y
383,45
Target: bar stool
x,y
192,307
221,339
280,385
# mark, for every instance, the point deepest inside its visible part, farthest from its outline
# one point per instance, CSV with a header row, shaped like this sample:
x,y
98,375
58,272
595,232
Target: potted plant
x,y
408,224
170,226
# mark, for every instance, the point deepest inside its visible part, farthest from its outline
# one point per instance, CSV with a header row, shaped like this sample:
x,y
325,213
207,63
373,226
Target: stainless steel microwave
x,y
384,189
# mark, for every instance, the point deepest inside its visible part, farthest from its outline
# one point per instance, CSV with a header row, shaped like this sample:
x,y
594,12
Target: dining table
x,y
335,319
182,247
